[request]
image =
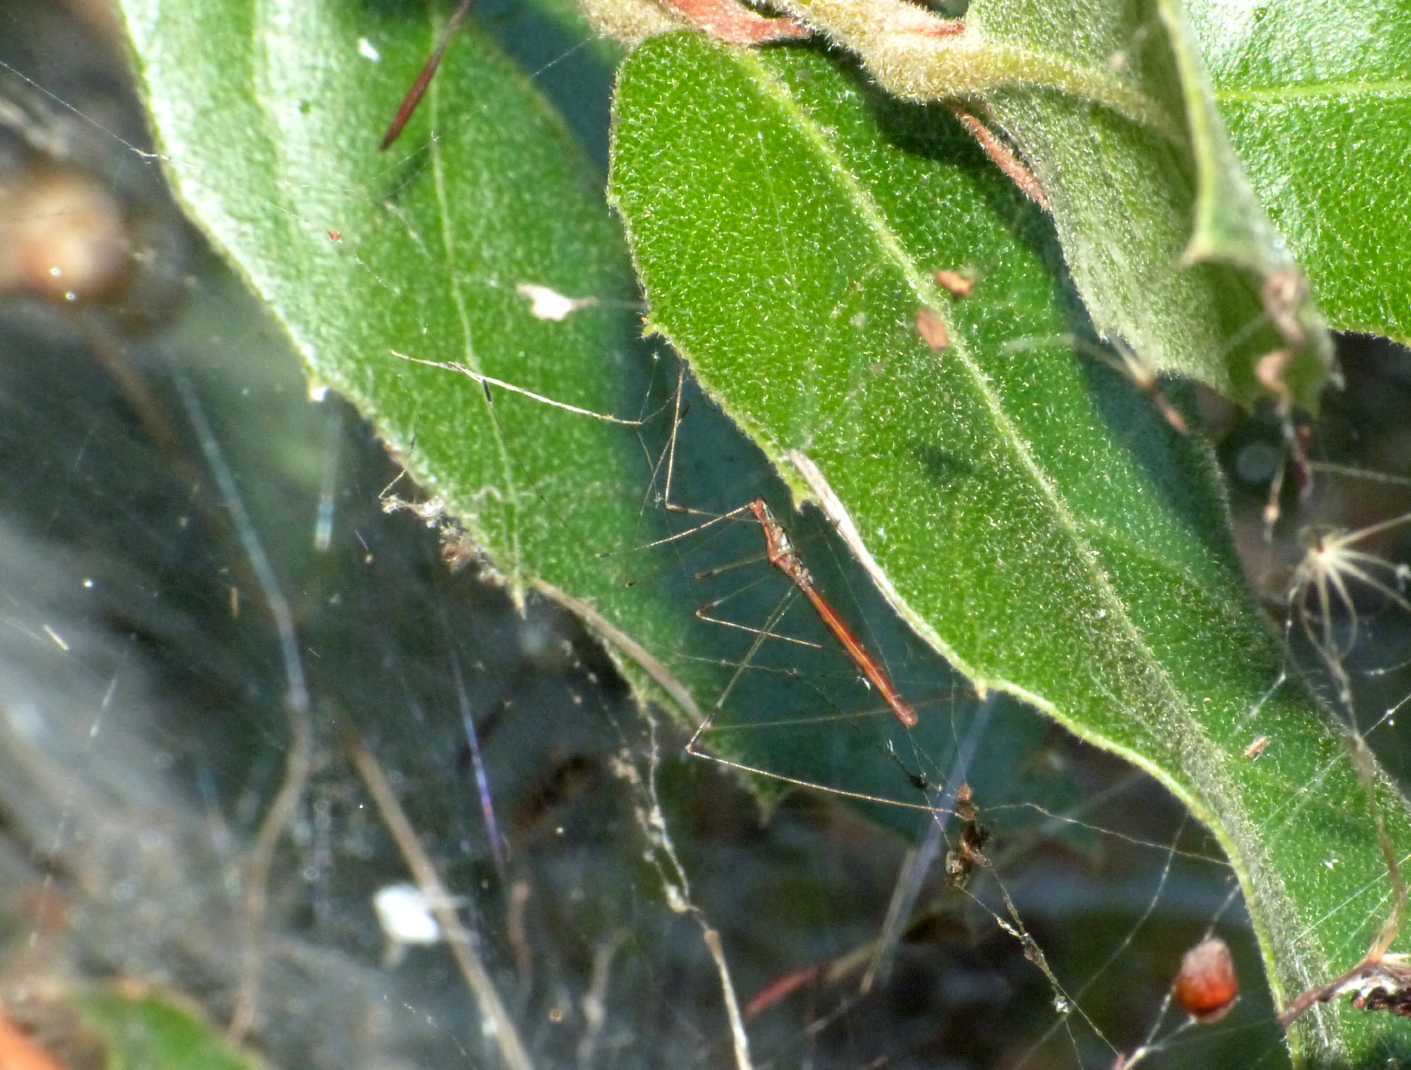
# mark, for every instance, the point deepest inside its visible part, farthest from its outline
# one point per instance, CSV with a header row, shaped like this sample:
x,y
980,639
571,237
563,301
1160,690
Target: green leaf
x,y
1231,228
276,146
1229,225
272,148
1318,102
1108,105
149,1032
1030,515
422,250
1166,244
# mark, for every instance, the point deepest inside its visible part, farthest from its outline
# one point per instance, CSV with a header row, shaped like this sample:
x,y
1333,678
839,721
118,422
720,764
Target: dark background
x,y
157,441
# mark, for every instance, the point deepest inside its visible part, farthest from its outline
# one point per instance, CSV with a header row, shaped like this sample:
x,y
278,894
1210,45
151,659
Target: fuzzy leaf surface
x,y
420,250
1028,513
1317,99
273,150
1165,241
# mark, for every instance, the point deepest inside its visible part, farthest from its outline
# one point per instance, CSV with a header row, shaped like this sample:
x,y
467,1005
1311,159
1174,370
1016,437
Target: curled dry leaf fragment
x,y
932,329
1258,747
1207,986
956,283
1380,982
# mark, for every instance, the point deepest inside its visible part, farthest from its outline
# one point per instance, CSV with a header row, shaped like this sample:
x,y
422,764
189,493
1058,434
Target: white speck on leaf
x,y
547,304
368,50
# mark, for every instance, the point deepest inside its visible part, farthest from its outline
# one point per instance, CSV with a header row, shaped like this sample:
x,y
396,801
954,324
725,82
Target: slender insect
x,y
779,551
781,554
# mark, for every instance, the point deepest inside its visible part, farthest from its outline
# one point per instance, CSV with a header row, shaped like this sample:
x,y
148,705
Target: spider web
x,y
214,623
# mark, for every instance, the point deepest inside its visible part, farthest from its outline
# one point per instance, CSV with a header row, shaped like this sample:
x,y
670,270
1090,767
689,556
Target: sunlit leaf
x,y
430,250
431,245
1317,100
1167,246
1027,512
1030,514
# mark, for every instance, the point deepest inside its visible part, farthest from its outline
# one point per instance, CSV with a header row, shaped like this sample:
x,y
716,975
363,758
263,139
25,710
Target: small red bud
x,y
1207,986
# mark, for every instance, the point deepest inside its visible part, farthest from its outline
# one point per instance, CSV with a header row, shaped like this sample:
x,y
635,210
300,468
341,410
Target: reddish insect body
x,y
423,80
782,556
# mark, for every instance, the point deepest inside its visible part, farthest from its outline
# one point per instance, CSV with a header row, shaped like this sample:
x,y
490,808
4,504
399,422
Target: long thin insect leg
x,y
676,418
